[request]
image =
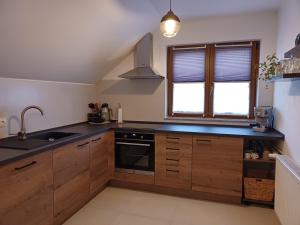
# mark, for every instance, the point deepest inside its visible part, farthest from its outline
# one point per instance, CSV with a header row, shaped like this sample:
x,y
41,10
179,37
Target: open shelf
x,y
286,76
260,160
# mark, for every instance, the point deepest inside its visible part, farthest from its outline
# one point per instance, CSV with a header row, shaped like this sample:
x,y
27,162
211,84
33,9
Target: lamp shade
x,y
170,25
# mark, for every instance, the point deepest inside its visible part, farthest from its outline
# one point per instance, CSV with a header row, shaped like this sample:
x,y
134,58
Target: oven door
x,y
134,155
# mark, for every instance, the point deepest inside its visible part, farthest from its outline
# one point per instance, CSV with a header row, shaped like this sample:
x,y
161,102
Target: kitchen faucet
x,y
22,133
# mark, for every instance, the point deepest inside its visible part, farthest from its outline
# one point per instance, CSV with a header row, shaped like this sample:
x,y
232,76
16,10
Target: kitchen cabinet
x,y
26,191
217,165
71,165
173,153
101,161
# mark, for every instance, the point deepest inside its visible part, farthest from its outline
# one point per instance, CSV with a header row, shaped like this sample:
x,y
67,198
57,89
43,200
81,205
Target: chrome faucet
x,y
22,133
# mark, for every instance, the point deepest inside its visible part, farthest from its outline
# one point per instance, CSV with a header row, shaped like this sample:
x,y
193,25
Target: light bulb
x,y
170,25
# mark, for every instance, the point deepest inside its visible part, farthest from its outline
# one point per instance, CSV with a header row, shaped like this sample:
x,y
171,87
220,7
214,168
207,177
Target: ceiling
x,y
196,8
82,40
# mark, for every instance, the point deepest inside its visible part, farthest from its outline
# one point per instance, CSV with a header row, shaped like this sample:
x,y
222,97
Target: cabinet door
x,y
71,197
26,191
217,165
71,179
101,161
69,161
173,160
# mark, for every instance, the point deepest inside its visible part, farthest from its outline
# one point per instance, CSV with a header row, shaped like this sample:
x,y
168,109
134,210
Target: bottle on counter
x,y
120,113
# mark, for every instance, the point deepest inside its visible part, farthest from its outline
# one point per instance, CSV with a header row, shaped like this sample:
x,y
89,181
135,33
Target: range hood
x,y
143,60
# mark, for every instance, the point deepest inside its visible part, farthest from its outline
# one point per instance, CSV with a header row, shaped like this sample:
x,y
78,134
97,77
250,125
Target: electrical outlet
x,y
3,122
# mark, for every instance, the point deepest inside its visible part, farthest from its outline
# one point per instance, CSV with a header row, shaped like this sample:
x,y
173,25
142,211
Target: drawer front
x,y
101,163
174,141
173,160
69,161
71,197
26,191
217,165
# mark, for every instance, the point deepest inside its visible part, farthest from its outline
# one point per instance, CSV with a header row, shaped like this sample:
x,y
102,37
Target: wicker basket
x,y
259,189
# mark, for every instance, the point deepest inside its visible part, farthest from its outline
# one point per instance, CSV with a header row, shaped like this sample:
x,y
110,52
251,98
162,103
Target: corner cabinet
x,y
173,155
101,161
217,165
26,191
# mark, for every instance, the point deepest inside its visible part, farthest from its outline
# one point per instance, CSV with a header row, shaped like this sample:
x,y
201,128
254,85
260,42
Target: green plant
x,y
268,67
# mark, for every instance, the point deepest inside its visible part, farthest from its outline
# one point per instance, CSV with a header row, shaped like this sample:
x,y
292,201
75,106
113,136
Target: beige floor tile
x,y
130,219
92,216
116,206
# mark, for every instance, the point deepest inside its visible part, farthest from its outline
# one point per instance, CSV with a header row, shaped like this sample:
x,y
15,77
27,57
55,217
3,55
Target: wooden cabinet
x,y
71,165
217,165
26,191
101,161
173,160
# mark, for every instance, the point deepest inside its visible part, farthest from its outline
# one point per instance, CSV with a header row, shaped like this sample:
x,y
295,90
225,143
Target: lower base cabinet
x,y
173,155
26,191
71,165
70,197
217,165
48,188
101,161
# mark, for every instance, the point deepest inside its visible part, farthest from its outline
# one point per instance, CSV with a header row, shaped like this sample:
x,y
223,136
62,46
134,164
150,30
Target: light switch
x,y
3,122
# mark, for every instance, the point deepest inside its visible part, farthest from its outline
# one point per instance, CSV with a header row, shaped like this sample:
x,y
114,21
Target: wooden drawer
x,y
174,142
134,178
217,165
173,160
26,191
69,161
71,197
101,161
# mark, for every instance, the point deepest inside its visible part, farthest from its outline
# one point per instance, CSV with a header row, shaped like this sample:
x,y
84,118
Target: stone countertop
x,y
86,130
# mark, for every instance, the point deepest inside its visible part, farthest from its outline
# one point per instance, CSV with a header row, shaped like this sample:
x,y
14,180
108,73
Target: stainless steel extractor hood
x,y
143,61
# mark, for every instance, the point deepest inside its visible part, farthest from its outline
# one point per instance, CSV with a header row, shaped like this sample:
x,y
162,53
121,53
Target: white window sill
x,y
213,121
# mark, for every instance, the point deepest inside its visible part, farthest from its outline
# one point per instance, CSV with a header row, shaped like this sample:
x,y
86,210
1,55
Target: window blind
x,y
189,65
233,64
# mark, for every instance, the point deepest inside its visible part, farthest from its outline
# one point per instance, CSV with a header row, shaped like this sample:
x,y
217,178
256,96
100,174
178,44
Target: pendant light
x,y
170,24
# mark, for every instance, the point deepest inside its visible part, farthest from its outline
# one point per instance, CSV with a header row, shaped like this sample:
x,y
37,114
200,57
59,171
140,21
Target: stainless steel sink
x,y
34,141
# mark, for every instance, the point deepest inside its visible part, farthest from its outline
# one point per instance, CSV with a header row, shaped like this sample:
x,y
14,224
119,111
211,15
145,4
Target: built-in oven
x,y
134,152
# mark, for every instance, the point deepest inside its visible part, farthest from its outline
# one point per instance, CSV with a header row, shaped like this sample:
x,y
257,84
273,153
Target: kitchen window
x,y
213,80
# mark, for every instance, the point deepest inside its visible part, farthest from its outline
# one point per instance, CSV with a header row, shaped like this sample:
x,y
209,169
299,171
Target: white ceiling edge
x,y
47,81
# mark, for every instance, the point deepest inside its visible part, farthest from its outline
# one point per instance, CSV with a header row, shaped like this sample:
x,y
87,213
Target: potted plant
x,y
268,68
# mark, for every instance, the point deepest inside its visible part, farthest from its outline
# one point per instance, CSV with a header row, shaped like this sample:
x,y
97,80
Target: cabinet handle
x,y
25,166
204,142
173,149
173,138
98,139
82,145
174,171
175,160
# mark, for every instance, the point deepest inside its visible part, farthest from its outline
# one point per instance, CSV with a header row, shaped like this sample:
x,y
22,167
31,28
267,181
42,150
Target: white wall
x,y
287,93
62,103
145,100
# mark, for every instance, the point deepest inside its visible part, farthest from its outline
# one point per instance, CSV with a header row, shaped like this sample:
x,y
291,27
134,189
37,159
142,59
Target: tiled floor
x,y
116,206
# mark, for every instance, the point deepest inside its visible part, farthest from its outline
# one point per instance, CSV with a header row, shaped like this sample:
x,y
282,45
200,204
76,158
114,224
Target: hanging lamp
x,y
170,24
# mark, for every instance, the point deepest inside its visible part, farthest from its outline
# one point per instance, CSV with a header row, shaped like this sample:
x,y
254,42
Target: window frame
x,y
209,79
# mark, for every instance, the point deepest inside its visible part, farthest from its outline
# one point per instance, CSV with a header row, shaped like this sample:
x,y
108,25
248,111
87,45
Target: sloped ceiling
x,y
69,40
82,40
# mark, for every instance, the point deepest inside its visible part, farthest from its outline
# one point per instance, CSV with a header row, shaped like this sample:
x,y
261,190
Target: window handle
x,y
211,90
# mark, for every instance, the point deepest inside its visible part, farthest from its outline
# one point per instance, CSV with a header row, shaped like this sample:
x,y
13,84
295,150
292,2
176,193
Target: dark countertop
x,y
86,130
